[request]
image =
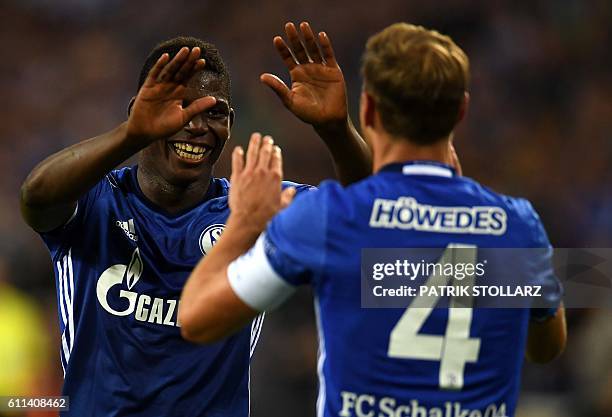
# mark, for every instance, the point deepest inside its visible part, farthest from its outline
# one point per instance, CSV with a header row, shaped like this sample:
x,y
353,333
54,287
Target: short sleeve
x,y
291,252
70,230
296,238
543,273
299,188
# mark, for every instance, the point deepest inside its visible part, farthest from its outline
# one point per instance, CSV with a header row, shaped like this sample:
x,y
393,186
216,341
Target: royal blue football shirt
x,y
402,362
120,265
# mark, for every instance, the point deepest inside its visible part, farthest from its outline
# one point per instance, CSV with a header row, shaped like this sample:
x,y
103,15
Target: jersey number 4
x,y
455,347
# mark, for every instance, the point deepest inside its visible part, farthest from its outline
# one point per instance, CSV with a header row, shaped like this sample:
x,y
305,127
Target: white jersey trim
x,y
255,281
66,297
321,398
256,327
421,169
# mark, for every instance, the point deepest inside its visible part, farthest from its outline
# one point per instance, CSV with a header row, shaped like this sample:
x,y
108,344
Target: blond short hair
x,y
418,78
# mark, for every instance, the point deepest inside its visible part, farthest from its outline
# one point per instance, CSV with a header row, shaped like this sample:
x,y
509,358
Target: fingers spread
x,y
265,153
276,163
157,68
169,70
253,151
199,65
311,44
186,70
198,106
278,86
237,162
296,44
328,51
284,52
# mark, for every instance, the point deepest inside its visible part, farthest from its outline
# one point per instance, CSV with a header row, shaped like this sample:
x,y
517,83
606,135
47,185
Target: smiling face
x,y
189,155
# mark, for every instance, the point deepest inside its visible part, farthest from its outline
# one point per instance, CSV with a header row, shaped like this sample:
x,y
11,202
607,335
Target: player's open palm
x,y
318,92
255,192
158,110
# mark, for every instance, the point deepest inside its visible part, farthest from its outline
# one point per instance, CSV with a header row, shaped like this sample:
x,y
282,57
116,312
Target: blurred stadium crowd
x,y
539,127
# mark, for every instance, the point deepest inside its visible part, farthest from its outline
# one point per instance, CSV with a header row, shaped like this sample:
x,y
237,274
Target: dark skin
x,y
168,180
317,96
182,103
208,297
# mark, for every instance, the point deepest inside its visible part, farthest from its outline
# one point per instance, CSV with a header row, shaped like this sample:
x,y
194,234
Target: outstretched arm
x,y
210,309
318,97
50,192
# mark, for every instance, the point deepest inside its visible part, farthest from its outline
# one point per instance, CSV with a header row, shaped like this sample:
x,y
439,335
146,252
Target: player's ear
x,y
130,105
230,122
463,107
367,110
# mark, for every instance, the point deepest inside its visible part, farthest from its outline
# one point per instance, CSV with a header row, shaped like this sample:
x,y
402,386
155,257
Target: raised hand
x,y
255,195
318,92
158,110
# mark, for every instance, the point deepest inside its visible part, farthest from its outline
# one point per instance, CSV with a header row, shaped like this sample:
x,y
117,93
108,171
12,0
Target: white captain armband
x,y
255,282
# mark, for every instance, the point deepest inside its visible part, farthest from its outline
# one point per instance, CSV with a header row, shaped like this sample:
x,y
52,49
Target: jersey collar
x,y
214,190
431,168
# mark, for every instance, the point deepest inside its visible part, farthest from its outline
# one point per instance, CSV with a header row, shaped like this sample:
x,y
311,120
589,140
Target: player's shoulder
x,y
298,187
328,193
334,199
519,207
224,184
119,179
114,184
465,192
310,205
521,216
219,187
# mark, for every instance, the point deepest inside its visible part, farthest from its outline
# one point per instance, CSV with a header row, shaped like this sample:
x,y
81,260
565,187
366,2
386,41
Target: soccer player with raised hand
x,y
318,95
440,356
123,242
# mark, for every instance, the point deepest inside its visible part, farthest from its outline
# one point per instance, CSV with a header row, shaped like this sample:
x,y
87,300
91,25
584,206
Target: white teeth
x,y
188,151
187,155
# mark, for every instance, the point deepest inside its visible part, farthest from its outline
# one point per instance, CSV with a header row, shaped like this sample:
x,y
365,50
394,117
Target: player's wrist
x,y
133,139
246,222
334,131
243,230
331,130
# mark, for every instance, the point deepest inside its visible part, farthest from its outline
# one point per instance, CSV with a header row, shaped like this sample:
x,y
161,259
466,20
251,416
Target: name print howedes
x,y
407,213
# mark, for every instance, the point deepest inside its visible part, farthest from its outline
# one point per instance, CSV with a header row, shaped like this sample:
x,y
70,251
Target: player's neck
x,y
172,198
388,150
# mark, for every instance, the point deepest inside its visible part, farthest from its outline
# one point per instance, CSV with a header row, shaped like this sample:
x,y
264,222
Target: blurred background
x,y
539,126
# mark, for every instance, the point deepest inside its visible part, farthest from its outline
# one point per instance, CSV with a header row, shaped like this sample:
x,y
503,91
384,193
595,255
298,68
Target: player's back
x,y
413,361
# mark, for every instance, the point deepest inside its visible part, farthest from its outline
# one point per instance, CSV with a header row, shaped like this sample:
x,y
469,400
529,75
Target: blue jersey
x,y
401,362
120,266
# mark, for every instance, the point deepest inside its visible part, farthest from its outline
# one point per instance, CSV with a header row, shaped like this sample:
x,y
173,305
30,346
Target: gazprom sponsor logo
x,y
407,213
142,307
